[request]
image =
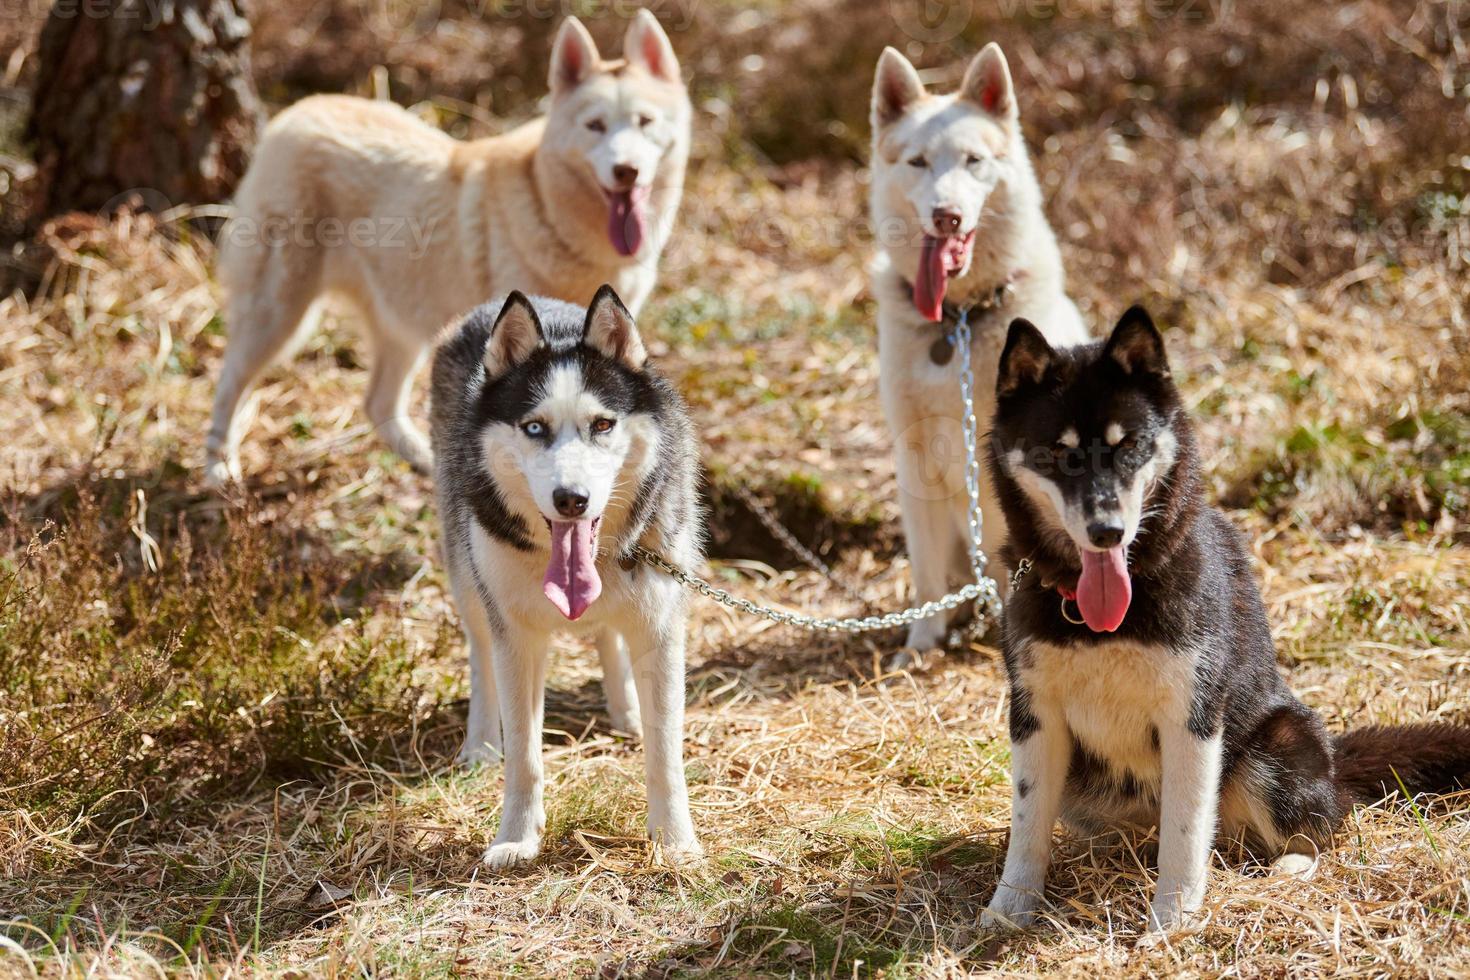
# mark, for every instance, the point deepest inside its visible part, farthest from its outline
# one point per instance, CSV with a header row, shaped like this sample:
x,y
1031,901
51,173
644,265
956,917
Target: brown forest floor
x,y
226,725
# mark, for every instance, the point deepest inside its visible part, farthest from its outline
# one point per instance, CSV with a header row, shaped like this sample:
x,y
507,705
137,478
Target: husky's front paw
x,y
222,473
686,851
1010,908
414,449
672,834
1165,916
1166,924
1152,939
509,853
420,460
628,721
911,658
927,634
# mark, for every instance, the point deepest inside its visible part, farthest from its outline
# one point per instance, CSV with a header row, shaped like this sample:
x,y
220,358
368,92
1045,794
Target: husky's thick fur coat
x,y
1144,685
960,225
557,450
424,227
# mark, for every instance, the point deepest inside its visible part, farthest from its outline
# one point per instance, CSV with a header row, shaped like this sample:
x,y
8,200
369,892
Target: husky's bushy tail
x,y
1372,762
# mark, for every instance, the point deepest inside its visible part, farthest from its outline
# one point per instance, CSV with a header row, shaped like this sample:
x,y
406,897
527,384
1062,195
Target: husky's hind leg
x,y
271,305
1286,779
395,363
617,683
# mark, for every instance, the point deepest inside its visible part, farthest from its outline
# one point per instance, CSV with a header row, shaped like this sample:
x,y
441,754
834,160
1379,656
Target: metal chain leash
x,y
781,533
988,604
982,591
818,624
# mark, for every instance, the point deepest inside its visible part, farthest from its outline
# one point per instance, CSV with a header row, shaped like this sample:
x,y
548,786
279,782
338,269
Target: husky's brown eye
x,y
1127,442
971,160
602,427
918,161
644,120
597,125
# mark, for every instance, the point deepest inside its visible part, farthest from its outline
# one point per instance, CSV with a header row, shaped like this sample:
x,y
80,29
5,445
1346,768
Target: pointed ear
x,y
988,83
896,86
517,332
1025,359
573,56
1137,346
646,45
611,332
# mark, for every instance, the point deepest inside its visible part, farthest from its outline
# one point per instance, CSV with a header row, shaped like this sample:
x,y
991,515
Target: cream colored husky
x,y
960,226
361,199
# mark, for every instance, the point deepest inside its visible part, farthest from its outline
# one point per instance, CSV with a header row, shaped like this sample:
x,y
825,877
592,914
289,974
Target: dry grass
x,y
227,723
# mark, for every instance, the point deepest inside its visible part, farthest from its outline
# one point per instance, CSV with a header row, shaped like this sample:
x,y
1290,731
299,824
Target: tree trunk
x,y
148,101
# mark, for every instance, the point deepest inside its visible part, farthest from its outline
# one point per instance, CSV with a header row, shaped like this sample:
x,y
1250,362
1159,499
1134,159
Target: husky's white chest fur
x,y
1114,700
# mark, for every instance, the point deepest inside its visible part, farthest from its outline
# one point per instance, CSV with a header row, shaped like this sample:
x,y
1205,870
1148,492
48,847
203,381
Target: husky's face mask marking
x,y
1086,437
949,154
619,119
564,434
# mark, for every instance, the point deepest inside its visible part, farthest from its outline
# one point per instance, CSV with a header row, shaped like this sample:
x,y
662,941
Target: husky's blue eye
x,y
602,427
918,161
534,429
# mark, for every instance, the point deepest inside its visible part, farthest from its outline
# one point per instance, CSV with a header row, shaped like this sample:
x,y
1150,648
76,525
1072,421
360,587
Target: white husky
x,y
960,226
413,228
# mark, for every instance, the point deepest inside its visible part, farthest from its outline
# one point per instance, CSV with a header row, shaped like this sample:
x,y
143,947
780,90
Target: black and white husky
x,y
1144,687
556,450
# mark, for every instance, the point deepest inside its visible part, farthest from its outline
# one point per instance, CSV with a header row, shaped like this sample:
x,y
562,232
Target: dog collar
x,y
1072,615
942,350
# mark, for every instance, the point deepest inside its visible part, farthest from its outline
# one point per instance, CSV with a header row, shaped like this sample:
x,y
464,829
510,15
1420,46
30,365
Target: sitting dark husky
x,y
1144,688
556,451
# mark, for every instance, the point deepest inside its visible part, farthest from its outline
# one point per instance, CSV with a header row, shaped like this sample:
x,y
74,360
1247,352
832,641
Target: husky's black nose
x,y
1103,535
946,222
570,501
626,175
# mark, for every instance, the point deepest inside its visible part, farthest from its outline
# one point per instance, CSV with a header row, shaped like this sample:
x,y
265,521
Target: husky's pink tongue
x,y
625,219
941,259
571,582
1104,590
